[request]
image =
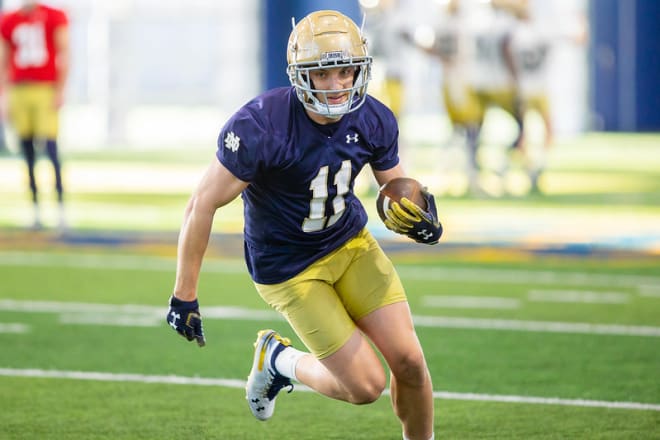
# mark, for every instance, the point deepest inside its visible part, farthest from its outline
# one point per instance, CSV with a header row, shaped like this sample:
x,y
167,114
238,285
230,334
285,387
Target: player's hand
x,y
184,317
409,219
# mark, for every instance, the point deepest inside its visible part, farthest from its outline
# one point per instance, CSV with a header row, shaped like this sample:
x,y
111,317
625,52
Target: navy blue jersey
x,y
300,203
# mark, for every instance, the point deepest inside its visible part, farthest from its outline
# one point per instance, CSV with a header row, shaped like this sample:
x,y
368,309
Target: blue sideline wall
x,y
277,27
625,65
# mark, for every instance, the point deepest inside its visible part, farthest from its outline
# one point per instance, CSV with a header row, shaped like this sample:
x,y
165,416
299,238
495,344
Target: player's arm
x,y
62,60
5,54
382,177
217,188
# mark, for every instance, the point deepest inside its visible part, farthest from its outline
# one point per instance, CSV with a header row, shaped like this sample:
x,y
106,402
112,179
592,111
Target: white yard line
x,y
235,383
470,302
535,326
112,262
108,314
578,296
9,327
650,291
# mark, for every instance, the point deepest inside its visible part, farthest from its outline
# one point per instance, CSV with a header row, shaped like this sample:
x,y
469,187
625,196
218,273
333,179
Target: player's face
x,y
336,78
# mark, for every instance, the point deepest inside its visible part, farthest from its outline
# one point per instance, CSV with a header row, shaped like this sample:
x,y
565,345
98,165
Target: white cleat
x,y
264,381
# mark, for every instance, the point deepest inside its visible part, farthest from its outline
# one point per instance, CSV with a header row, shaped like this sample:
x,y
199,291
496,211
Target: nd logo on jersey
x,y
232,141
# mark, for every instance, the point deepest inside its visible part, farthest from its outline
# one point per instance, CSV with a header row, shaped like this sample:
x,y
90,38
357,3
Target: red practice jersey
x,y
30,35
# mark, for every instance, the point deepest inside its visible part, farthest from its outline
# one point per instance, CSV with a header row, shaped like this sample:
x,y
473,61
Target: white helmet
x,y
323,40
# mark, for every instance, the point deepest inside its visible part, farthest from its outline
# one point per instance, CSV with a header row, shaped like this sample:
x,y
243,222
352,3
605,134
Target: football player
x,y
452,46
33,70
532,44
493,74
293,153
530,48
383,26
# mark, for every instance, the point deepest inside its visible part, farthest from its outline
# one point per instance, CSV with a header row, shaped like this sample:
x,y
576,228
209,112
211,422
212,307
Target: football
x,y
397,188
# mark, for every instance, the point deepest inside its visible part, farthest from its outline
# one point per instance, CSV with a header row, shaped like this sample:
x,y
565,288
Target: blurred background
x,y
568,96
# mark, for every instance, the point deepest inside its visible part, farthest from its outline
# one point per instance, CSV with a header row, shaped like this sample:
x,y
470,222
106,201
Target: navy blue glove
x,y
184,317
409,219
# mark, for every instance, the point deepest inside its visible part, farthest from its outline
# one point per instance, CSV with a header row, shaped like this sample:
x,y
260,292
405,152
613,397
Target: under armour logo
x,y
352,138
232,141
175,316
258,408
425,234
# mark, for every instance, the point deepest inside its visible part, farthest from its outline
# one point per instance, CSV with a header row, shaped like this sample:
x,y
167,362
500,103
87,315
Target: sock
x,y
37,217
286,361
62,215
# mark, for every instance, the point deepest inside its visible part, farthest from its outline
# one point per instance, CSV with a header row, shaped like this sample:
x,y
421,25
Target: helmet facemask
x,y
326,40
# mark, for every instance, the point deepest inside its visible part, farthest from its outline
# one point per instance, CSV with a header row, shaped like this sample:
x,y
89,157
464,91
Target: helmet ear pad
x,y
358,77
312,87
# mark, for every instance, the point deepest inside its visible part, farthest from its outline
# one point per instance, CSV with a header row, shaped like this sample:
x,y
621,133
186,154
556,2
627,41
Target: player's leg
x,y
472,132
374,296
542,105
513,104
51,150
472,118
30,156
47,128
391,329
22,120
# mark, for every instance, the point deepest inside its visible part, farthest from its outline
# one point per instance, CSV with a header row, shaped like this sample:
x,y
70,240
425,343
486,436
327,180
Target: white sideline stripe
x,y
143,313
235,383
470,302
110,319
546,401
512,276
535,326
122,377
113,262
7,327
578,296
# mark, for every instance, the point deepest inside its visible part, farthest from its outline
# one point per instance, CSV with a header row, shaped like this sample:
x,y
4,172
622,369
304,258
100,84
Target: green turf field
x,y
539,314
540,347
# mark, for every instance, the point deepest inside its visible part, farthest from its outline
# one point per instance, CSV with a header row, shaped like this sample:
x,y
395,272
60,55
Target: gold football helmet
x,y
323,40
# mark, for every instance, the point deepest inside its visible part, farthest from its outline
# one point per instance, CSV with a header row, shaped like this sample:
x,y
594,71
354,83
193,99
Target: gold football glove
x,y
411,220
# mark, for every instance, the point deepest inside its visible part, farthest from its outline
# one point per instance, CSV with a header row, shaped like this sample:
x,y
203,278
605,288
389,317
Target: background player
x,y
453,46
293,153
33,71
383,27
531,46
